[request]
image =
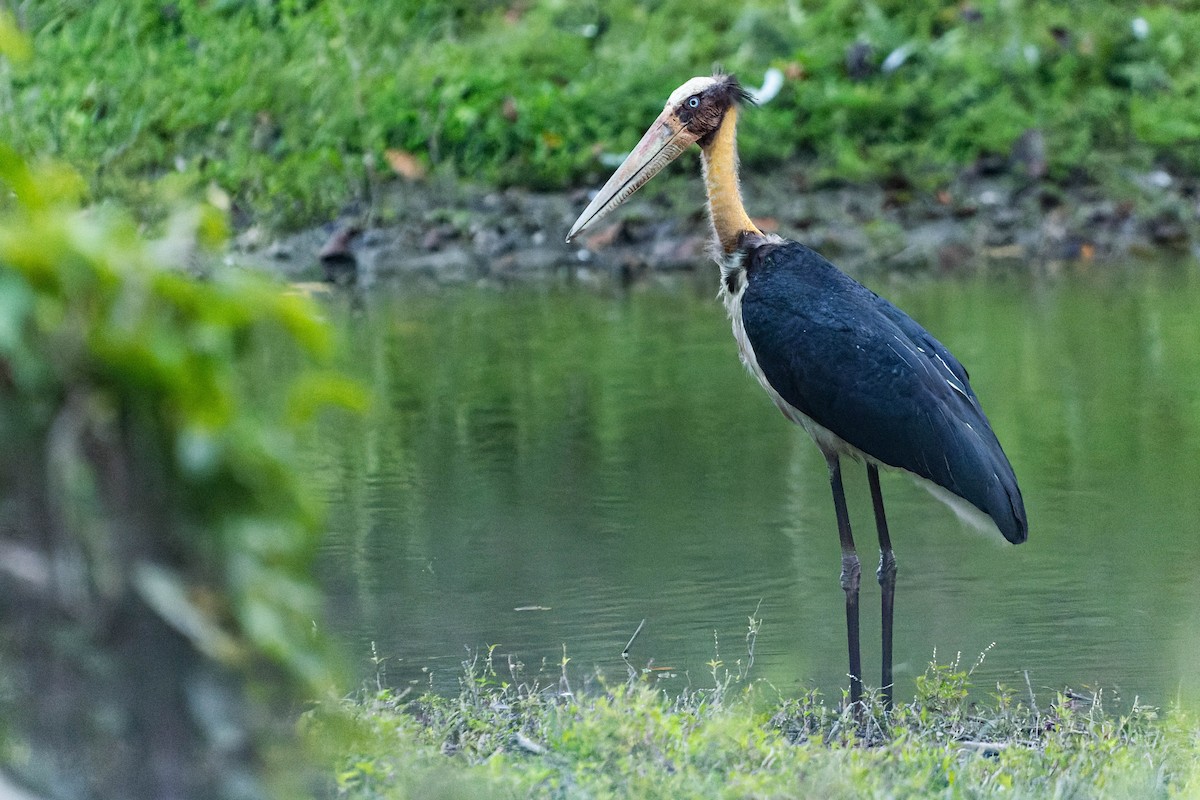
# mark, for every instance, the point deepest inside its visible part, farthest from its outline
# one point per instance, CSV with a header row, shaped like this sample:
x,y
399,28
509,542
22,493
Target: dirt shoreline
x,y
452,233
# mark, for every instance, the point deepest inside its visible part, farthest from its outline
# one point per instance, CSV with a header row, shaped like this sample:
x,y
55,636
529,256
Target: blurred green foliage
x,y
94,328
156,600
290,106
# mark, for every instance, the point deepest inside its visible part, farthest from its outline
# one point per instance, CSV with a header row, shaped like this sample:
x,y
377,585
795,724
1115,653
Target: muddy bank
x,y
447,233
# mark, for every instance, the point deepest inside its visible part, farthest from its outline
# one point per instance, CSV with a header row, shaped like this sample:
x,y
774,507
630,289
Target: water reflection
x,y
546,467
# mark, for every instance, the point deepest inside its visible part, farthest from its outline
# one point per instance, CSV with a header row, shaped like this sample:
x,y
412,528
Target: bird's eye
x,y
694,101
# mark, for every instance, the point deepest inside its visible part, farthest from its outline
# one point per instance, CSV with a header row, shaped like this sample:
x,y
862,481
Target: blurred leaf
x,y
404,164
314,391
166,593
14,44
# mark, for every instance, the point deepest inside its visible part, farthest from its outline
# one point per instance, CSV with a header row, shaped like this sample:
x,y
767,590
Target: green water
x,y
546,467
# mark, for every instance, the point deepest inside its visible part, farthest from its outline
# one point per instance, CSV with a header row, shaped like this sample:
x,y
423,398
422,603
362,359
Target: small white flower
x,y
896,58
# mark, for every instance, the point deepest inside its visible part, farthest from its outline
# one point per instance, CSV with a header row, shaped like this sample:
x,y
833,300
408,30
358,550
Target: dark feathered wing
x,y
860,367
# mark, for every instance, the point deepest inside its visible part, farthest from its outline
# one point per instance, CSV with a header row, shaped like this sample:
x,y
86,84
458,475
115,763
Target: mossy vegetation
x,y
503,736
294,108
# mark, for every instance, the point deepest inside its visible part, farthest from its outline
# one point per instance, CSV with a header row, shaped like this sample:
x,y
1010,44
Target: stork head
x,y
693,113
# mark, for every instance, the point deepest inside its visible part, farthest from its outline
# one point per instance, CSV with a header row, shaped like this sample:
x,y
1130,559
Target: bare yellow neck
x,y
725,209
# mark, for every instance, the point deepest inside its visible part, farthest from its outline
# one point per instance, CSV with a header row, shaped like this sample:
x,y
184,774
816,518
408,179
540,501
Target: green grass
x,y
290,105
506,737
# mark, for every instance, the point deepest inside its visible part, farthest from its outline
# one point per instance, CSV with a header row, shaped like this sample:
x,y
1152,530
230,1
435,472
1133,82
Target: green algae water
x,y
543,467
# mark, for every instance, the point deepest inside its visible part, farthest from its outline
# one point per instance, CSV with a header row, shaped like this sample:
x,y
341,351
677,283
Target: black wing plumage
x,y
862,368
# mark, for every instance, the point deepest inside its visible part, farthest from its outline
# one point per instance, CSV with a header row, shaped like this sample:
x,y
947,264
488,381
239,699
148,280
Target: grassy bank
x,y
506,738
299,108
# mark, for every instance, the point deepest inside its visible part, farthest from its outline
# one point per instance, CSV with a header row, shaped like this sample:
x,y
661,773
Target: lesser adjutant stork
x,y
857,373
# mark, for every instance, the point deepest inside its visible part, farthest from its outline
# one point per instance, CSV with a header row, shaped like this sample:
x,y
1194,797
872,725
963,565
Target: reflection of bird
x,y
856,372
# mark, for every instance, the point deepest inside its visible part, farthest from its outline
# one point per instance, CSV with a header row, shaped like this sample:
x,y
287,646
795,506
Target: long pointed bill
x,y
660,145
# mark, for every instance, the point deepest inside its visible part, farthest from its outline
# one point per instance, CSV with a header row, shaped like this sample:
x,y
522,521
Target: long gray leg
x,y
887,579
851,574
